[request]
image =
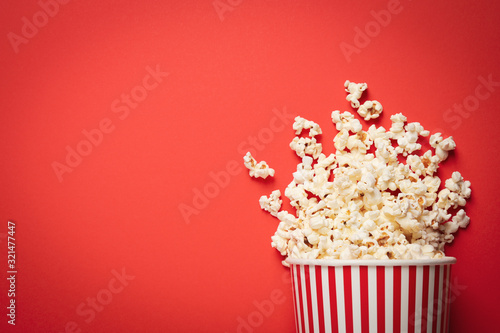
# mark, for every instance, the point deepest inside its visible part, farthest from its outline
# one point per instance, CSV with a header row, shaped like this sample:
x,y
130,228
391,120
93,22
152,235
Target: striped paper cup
x,y
371,295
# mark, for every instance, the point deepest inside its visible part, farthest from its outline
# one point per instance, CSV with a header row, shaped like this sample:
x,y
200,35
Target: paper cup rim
x,y
372,262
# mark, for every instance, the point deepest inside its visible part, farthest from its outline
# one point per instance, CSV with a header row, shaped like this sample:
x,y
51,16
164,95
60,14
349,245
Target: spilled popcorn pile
x,y
359,205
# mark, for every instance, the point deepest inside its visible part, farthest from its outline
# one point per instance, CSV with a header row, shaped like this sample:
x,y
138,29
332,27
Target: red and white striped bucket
x,y
358,296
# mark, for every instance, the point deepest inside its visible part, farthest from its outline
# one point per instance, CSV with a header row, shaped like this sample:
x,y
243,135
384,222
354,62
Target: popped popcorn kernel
x,y
370,110
442,146
256,170
306,146
346,121
355,91
272,204
301,123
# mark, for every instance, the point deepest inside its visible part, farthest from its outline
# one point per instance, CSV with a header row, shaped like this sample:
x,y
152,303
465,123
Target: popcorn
x,y
370,110
355,204
304,170
346,121
340,140
397,129
458,185
306,146
272,204
355,91
318,222
456,192
300,124
461,219
442,146
431,162
407,142
297,195
256,170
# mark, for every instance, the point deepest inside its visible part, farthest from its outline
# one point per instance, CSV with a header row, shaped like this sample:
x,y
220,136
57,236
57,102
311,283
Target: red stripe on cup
x,y
319,295
450,290
436,303
417,317
363,281
412,282
300,286
425,299
444,300
333,299
430,303
446,288
372,298
441,299
448,299
442,278
442,293
356,299
396,308
348,299
310,319
313,321
381,298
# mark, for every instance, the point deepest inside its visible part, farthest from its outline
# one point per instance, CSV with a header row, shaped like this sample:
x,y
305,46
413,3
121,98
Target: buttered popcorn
x,y
355,204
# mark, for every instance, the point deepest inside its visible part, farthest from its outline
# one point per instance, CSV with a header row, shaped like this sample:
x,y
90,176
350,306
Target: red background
x,y
120,207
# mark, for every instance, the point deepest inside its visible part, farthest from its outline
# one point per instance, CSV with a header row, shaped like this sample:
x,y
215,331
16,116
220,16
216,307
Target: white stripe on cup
x,y
314,298
325,288
430,303
389,300
297,300
418,299
356,298
339,283
405,279
372,297
440,299
304,298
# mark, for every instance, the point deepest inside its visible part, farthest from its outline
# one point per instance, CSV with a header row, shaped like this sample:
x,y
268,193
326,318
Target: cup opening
x,y
373,262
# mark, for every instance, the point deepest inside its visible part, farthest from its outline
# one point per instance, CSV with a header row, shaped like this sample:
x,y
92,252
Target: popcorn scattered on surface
x,y
355,91
256,170
359,205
